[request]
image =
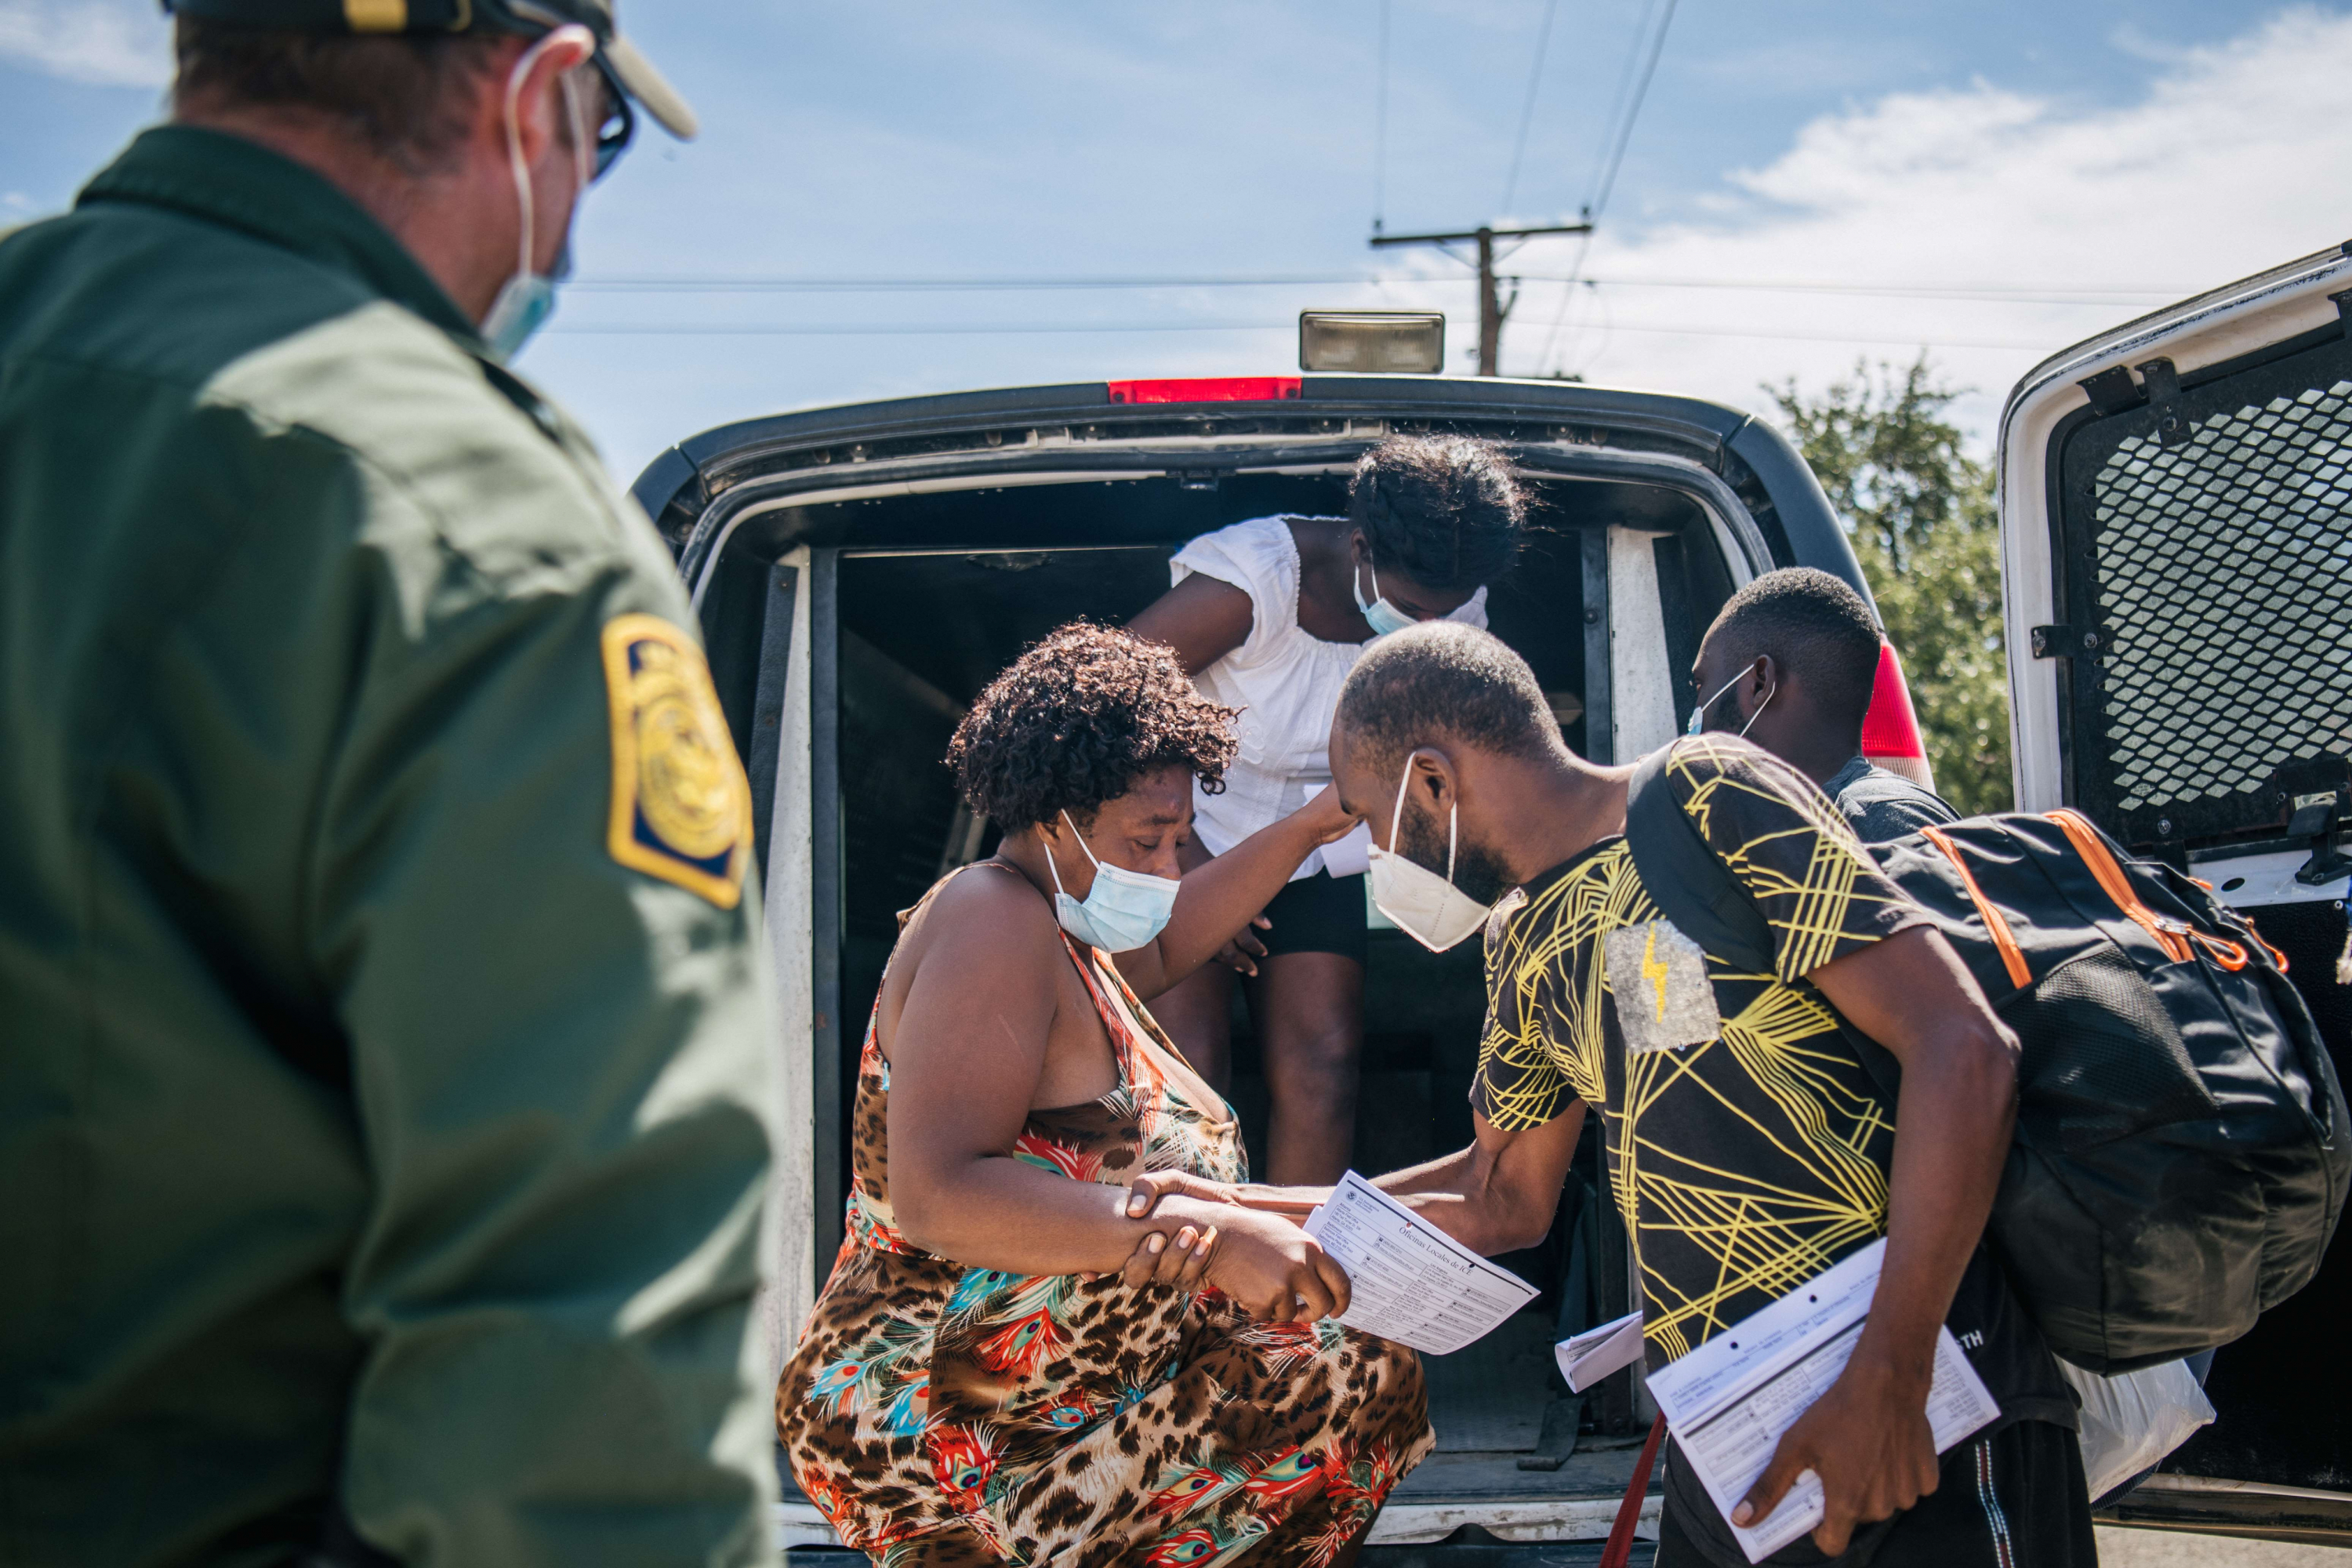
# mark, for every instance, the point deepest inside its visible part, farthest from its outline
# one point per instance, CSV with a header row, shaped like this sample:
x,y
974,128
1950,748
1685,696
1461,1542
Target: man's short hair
x,y
407,98
1813,625
1441,681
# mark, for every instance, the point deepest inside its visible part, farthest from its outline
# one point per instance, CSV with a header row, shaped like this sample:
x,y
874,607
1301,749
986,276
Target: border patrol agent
x,y
383,1116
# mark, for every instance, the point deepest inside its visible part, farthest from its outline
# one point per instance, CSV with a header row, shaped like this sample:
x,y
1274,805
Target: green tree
x,y
1922,516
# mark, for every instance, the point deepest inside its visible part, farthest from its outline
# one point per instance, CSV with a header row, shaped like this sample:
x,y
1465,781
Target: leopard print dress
x,y
945,1416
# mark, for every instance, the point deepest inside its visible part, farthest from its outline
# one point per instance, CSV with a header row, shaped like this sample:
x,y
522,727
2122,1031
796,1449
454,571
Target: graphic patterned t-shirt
x,y
1748,1146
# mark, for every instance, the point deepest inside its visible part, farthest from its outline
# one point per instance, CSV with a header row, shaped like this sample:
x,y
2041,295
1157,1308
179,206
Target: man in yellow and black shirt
x,y
1749,1142
1749,1148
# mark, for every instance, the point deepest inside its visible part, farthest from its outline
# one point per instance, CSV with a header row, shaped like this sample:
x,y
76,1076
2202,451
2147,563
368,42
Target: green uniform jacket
x,y
383,1107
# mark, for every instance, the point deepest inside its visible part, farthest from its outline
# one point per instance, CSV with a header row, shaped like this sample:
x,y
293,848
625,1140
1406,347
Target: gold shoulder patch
x,y
681,806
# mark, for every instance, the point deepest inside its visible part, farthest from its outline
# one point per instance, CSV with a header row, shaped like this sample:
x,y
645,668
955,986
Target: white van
x,y
861,572
2175,501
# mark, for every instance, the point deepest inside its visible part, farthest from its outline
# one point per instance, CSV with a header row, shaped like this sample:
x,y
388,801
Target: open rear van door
x,y
860,573
2175,501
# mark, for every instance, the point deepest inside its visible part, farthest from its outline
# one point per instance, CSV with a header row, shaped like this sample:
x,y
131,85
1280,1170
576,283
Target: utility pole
x,y
1492,306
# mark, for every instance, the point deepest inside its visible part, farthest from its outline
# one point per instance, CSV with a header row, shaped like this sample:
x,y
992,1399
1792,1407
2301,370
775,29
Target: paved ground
x,y
2170,1548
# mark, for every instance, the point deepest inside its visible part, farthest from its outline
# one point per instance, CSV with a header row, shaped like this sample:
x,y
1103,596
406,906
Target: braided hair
x,y
1441,510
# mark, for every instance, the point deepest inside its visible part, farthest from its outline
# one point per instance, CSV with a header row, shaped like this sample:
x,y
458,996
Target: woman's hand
x,y
1180,1260
1325,817
1241,953
1146,1191
1276,1271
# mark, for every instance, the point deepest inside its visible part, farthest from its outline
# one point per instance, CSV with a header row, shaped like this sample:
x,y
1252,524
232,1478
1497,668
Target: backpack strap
x,y
1686,877
1693,887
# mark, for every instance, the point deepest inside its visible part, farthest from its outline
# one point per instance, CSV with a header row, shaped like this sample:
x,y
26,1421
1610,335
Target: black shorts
x,y
2014,1498
1321,913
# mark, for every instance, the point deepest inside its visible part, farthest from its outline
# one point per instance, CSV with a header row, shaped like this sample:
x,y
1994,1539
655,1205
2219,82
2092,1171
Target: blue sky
x,y
2042,169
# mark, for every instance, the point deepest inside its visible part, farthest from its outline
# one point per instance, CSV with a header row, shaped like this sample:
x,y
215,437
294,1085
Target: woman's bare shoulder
x,y
988,913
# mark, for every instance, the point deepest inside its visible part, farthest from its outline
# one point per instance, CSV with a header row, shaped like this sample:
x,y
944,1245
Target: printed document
x,y
1729,1402
1586,1358
1408,1280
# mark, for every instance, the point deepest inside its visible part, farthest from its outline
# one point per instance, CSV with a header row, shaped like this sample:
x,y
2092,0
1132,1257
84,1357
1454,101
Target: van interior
x,y
934,593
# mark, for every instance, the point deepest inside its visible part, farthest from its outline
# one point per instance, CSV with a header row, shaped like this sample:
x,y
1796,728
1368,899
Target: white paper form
x,y
1409,1281
1729,1402
1586,1358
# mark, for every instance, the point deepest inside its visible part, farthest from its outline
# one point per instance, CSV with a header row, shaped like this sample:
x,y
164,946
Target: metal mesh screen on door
x,y
2209,553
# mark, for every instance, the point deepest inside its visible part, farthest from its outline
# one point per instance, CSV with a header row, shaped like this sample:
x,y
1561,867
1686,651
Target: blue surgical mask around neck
x,y
1379,614
527,299
1123,910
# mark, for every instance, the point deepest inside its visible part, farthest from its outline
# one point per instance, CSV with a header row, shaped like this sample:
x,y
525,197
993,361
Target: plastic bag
x,y
2132,1420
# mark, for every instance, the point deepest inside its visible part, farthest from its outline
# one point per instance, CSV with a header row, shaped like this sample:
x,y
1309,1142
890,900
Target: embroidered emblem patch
x,y
1658,977
681,806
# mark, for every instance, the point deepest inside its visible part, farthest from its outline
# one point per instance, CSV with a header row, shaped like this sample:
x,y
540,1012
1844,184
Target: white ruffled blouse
x,y
1287,684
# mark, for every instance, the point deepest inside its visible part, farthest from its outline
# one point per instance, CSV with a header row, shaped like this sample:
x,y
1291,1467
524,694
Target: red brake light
x,y
1209,389
1890,729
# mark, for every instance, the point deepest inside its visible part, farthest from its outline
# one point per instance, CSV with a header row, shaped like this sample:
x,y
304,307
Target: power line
x,y
956,329
1606,181
1029,328
1528,109
1492,306
1380,129
1600,203
782,284
2045,294
2041,346
2056,294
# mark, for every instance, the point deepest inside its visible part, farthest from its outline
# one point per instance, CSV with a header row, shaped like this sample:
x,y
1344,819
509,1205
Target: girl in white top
x,y
1269,617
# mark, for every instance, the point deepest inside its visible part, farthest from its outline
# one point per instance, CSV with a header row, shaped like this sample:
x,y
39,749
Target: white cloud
x,y
105,43
2231,159
2223,161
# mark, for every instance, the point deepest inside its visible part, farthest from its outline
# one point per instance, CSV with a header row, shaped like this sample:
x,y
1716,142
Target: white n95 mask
x,y
1124,908
1425,905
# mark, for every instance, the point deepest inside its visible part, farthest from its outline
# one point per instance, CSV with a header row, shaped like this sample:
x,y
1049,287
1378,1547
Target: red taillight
x,y
1890,730
1208,389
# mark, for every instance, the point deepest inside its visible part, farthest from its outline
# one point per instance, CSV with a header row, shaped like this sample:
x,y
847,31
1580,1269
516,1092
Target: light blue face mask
x,y
527,299
1379,614
1124,908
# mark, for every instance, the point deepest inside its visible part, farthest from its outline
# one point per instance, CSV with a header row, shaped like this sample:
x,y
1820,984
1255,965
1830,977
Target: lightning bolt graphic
x,y
1653,969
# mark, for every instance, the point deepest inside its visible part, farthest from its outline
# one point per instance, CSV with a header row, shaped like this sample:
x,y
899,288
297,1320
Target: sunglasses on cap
x,y
618,127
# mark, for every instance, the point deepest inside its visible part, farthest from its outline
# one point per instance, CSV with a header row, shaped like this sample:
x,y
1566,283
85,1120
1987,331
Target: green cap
x,y
529,18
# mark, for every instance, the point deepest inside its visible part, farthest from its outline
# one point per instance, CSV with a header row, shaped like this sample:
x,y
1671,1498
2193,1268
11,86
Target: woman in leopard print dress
x,y
989,1376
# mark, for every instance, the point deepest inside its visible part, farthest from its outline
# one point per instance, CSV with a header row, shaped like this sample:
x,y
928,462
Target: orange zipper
x,y
2004,941
2173,936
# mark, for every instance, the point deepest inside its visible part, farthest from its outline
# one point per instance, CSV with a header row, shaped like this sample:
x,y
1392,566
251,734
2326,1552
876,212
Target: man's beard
x,y
1478,873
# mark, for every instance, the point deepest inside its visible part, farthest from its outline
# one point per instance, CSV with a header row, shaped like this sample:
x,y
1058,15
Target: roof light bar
x,y
1410,343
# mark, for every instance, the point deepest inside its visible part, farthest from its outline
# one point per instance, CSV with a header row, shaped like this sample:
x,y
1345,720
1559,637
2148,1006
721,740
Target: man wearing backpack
x,y
1790,663
1749,1145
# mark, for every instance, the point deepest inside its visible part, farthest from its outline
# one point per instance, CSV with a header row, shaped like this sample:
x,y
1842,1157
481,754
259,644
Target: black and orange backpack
x,y
2181,1154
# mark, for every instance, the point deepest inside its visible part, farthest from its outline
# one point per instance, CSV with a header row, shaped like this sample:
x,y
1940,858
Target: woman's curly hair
x,y
1076,719
1442,510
